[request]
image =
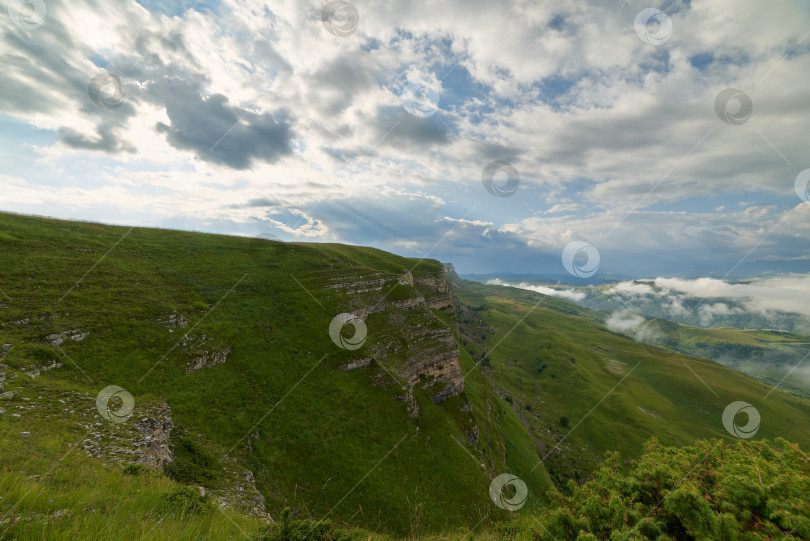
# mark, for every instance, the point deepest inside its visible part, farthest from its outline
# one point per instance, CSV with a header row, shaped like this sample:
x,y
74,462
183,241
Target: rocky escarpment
x,y
405,337
154,443
142,439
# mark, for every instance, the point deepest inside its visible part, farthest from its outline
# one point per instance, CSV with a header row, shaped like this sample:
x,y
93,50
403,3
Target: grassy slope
x,y
772,356
663,395
321,432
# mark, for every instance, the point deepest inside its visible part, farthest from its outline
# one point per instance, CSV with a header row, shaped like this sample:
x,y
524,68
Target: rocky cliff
x,y
406,337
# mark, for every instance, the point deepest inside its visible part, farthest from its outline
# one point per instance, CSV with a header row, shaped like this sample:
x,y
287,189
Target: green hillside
x,y
582,389
239,391
321,441
775,357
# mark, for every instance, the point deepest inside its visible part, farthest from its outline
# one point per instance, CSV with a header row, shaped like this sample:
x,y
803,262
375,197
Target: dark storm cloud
x,y
218,132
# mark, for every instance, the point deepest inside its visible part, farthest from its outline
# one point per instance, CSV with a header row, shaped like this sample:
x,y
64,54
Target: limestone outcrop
x,y
405,337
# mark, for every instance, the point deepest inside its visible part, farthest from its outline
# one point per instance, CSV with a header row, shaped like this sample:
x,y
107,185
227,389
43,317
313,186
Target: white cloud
x,y
600,125
624,321
784,294
570,294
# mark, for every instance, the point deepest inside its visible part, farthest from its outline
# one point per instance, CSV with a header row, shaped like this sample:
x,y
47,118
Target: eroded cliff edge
x,y
410,319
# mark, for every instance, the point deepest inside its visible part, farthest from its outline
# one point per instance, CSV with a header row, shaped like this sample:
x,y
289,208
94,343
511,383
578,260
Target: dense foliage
x,y
710,490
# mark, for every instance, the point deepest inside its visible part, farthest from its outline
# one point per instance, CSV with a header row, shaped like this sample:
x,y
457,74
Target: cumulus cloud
x,y
218,132
783,294
617,141
778,302
624,321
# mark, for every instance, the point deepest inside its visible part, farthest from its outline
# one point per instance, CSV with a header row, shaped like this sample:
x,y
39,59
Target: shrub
x,y
564,421
192,463
41,354
185,499
137,469
710,490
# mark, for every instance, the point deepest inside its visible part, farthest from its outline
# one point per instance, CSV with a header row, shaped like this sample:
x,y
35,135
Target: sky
x,y
613,138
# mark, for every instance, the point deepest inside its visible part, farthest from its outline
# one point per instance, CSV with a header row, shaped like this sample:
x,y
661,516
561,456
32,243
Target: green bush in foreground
x,y
184,499
192,463
710,490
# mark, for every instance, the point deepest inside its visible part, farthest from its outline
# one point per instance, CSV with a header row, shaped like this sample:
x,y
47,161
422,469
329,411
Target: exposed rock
x,y
154,445
354,365
419,349
243,493
358,284
209,359
34,371
7,395
129,442
406,278
472,436
57,339
437,284
4,350
175,320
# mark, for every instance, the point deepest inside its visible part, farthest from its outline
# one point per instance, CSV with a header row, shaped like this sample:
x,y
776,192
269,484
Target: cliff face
x,y
405,337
